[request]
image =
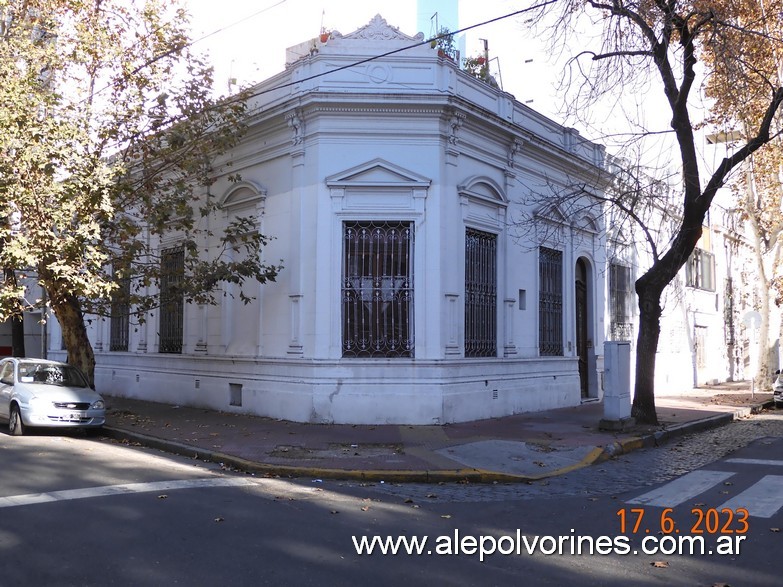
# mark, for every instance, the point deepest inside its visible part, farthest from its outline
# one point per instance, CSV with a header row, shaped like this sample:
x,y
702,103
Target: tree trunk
x,y
17,320
762,375
17,335
765,256
643,408
68,312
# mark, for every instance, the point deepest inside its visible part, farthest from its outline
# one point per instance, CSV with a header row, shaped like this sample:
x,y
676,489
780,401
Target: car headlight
x,y
39,403
98,405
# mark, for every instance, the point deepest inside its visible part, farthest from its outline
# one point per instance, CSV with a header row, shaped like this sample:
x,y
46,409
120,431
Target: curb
x,y
597,455
661,436
270,470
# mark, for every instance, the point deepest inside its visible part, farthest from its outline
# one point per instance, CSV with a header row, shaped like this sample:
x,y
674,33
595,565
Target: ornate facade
x,y
394,186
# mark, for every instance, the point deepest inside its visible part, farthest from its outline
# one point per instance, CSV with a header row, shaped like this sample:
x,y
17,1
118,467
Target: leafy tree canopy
x,y
109,137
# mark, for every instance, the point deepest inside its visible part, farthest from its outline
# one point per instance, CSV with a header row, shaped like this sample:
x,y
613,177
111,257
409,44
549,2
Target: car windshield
x,y
50,374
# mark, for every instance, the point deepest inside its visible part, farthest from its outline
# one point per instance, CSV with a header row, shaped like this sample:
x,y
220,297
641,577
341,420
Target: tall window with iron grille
x,y
620,302
550,302
377,289
480,293
172,304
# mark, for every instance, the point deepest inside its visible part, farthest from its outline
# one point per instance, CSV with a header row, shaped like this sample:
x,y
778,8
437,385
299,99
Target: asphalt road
x,y
82,511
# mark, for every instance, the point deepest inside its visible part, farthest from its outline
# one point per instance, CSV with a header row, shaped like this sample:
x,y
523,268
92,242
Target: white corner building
x,y
418,286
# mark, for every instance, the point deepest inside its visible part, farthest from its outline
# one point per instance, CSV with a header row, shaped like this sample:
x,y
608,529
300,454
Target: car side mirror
x,y
6,381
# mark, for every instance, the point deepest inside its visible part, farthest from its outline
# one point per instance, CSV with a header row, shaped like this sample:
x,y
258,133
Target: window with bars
x,y
700,270
728,311
377,289
480,294
120,316
550,302
620,302
172,303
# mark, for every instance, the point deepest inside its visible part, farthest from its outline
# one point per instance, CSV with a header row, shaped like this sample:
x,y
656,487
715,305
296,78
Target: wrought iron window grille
x,y
377,289
172,303
550,302
480,293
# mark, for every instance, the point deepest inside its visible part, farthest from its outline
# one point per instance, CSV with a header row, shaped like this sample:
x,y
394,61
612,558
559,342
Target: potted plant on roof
x,y
478,67
325,35
444,42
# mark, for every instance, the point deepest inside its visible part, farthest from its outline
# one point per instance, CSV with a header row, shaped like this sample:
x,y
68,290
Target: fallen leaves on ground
x,y
659,564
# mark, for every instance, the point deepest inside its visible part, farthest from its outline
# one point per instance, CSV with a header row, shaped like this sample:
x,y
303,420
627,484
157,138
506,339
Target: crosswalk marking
x,y
774,463
762,499
33,498
680,490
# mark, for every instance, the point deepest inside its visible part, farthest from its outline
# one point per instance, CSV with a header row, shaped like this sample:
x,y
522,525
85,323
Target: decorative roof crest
x,y
379,29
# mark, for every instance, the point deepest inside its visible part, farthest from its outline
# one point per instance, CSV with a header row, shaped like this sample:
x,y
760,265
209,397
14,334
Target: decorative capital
x,y
454,124
515,148
296,124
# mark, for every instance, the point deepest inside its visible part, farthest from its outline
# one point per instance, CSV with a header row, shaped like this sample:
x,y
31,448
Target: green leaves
x,y
109,140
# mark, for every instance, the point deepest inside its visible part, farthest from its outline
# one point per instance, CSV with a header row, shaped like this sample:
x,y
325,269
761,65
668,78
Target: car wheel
x,y
15,424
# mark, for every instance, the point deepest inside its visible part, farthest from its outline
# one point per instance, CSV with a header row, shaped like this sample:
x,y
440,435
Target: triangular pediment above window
x,y
551,213
377,173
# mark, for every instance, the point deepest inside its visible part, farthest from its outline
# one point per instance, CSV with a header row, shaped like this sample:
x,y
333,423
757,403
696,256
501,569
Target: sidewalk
x,y
517,448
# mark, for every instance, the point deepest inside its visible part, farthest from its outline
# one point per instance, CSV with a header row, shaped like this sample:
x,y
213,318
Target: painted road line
x,y
680,490
772,462
762,499
123,489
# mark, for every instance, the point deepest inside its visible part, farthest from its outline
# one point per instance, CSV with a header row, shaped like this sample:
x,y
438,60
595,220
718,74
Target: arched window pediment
x,y
587,223
483,189
243,193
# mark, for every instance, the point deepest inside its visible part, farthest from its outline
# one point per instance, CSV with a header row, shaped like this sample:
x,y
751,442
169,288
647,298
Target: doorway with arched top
x,y
583,343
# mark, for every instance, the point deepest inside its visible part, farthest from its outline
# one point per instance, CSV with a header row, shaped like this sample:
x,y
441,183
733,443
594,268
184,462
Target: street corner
x,y
526,460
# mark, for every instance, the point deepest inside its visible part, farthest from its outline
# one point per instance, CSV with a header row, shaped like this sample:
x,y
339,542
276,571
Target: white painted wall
x,y
405,137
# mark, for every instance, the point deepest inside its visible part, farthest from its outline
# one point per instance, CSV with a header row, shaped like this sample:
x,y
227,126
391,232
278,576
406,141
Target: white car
x,y
777,389
36,392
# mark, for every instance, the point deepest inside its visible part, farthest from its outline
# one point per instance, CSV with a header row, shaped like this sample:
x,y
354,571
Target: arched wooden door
x,y
581,323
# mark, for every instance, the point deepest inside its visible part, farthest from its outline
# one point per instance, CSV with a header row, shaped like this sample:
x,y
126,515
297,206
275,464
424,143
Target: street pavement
x,y
525,447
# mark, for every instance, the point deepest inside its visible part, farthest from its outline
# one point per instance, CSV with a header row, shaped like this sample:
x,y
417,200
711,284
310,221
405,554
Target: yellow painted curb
x,y
376,475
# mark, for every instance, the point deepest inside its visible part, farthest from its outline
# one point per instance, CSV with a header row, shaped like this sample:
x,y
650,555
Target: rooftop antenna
x,y
500,74
434,32
232,81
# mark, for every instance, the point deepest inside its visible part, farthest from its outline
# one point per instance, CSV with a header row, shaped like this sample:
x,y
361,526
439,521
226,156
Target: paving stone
x,y
637,469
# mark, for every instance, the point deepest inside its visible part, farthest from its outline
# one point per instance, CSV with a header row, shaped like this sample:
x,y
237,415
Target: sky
x,y
247,38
